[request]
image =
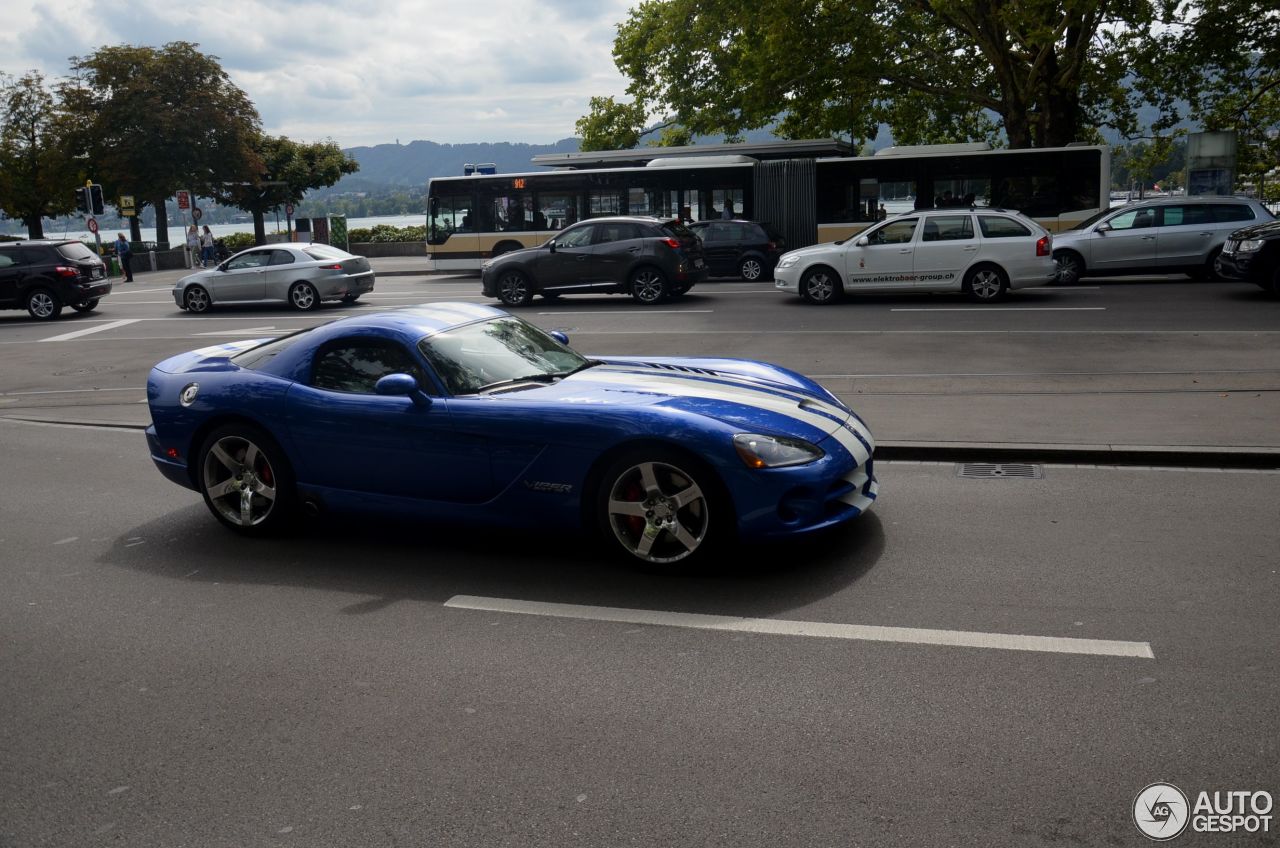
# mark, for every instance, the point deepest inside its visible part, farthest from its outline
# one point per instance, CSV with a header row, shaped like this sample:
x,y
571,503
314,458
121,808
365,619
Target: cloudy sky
x,y
361,72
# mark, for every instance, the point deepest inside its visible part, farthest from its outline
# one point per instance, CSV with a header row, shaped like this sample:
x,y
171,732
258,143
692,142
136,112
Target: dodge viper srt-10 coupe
x,y
464,413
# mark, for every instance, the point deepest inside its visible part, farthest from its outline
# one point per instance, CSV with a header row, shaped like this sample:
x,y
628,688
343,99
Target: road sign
x,y
125,206
93,225
184,200
196,213
288,209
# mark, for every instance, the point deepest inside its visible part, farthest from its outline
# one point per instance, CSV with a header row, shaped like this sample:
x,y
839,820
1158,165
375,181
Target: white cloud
x,y
364,72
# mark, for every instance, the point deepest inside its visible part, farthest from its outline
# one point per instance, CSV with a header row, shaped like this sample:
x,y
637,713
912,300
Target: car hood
x,y
746,398
1271,229
198,277
823,249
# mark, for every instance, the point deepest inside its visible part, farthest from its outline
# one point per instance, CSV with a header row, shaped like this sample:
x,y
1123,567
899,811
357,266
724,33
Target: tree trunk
x,y
162,224
259,228
35,226
135,229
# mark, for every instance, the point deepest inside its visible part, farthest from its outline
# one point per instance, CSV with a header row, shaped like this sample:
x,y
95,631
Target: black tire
x,y
1068,267
821,286
86,306
663,509
196,299
304,297
514,289
986,283
649,286
751,269
42,304
246,480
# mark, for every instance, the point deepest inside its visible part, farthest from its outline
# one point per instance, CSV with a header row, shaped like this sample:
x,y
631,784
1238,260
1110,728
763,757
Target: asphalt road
x,y
976,662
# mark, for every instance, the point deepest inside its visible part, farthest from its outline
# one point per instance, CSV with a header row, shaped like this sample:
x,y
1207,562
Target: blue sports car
x,y
463,412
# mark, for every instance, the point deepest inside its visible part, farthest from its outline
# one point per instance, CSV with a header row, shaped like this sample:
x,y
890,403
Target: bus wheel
x,y
820,286
514,290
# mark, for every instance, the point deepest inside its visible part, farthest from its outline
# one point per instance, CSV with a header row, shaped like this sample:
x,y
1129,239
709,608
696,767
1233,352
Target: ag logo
x,y
1161,811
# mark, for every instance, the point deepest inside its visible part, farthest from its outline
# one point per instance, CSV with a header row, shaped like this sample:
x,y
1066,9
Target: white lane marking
x,y
66,391
998,309
633,312
75,334
818,629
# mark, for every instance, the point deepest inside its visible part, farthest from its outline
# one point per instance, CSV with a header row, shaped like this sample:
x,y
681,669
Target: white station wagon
x,y
981,251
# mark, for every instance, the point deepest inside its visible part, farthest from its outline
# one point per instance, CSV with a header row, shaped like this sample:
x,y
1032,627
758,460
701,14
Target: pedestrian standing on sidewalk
x,y
193,244
125,254
207,252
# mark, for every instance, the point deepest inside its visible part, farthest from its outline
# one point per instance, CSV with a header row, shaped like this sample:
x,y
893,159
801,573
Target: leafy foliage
x,y
387,233
37,174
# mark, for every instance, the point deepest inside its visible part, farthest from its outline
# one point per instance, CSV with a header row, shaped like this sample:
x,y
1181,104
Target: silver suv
x,y
1162,236
983,252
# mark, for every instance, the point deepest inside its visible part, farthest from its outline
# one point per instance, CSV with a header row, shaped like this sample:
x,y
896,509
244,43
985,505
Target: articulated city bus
x,y
807,193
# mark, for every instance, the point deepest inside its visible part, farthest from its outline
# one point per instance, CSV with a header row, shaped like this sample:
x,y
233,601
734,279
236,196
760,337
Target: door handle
x,y
637,250
970,248
1147,238
1206,235
907,250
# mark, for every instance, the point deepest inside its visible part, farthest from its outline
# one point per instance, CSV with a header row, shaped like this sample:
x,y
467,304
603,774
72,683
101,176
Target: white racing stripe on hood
x,y
743,393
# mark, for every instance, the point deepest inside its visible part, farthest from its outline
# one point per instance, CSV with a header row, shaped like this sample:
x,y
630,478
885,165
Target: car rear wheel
x,y
514,289
43,305
662,508
986,284
751,269
196,299
303,297
820,286
1068,268
245,479
649,286
86,305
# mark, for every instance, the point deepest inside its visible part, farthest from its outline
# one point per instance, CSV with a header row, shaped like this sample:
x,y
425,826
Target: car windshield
x,y
501,353
1093,219
256,357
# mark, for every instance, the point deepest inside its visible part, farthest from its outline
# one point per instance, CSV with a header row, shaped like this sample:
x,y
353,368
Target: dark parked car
x,y
1253,254
746,249
648,258
44,276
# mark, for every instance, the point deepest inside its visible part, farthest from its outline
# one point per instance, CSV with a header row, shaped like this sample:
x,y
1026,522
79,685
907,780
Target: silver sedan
x,y
302,275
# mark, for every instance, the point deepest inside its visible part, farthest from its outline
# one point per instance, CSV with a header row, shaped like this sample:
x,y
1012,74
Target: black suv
x,y
1253,254
649,258
745,249
44,276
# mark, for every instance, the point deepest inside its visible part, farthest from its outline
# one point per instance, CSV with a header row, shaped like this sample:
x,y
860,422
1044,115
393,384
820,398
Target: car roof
x,y
1199,198
631,219
39,242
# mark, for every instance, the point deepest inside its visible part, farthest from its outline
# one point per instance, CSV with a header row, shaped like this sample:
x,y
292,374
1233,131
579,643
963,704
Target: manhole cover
x,y
998,470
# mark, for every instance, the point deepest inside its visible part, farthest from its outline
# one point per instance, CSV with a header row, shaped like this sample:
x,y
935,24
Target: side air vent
x,y
683,369
999,470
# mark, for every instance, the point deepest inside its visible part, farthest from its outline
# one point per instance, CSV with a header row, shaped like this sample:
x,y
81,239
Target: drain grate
x,y
998,470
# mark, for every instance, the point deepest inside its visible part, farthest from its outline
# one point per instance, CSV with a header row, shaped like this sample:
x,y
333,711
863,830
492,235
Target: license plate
x,y
96,273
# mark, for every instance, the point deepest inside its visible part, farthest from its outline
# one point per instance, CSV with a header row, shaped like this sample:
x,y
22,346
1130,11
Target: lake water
x,y
73,228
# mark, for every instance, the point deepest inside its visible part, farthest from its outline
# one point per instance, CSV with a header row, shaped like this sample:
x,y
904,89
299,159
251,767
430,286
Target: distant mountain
x,y
410,165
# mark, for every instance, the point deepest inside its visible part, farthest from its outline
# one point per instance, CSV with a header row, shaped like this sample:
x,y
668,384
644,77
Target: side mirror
x,y
402,384
863,241
551,245
559,336
1103,228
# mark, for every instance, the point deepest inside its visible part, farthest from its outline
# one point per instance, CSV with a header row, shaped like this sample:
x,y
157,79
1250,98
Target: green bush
x,y
239,241
386,233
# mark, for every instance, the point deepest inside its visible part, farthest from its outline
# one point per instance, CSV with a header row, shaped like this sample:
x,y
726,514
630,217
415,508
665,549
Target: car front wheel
x,y
820,286
649,286
196,299
1068,268
303,297
43,305
245,479
662,508
514,289
986,284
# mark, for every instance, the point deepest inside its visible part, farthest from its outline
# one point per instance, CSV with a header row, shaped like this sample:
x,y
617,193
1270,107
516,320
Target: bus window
x,y
451,214
638,202
513,212
556,211
603,201
726,202
955,192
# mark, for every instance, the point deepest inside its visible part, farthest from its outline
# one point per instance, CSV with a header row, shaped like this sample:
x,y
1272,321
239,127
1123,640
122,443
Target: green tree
x,y
611,125
37,176
935,70
155,120
289,169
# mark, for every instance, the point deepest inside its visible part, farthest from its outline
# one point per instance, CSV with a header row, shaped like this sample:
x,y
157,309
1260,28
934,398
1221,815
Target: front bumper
x,y
787,279
1242,267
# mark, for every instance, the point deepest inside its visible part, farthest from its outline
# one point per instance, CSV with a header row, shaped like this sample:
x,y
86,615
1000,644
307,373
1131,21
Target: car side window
x,y
256,259
712,233
994,226
356,366
1134,219
576,237
7,259
281,257
947,228
895,232
615,232
1226,212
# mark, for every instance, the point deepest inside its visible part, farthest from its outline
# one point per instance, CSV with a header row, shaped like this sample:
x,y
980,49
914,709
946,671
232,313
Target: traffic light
x,y
95,199
82,200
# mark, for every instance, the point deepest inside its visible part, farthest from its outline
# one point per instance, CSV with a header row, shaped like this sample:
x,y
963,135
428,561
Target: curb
x,y
1258,458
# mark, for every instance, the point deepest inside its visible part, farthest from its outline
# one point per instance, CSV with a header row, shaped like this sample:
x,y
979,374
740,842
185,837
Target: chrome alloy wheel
x,y
1067,268
513,289
303,296
649,286
658,512
42,305
986,284
240,482
818,286
196,299
752,269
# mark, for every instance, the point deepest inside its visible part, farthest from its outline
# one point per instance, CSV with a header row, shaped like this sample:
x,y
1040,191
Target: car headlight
x,y
788,261
1249,246
758,451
